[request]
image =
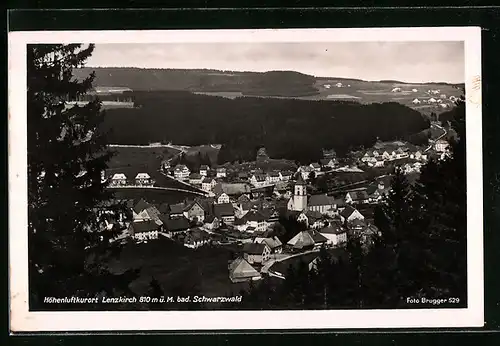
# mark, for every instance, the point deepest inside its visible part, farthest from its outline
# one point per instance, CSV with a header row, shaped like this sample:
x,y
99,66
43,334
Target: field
x,y
152,195
178,269
133,160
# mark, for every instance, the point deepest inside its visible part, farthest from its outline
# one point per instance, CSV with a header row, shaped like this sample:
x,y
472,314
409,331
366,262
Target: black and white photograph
x,y
245,179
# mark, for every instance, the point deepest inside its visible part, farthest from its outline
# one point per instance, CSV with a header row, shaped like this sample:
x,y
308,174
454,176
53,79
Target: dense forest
x,y
272,83
288,128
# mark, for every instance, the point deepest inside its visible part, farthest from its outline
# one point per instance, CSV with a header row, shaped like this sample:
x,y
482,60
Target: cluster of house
x,y
401,153
120,180
328,222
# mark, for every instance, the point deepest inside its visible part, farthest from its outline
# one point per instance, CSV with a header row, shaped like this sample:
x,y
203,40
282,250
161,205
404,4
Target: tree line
x,y
288,128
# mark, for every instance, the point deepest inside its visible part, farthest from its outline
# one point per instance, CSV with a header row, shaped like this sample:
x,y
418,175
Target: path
x,y
437,139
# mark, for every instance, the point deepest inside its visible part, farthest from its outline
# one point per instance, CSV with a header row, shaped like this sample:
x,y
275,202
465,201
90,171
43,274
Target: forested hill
x,y
272,83
288,128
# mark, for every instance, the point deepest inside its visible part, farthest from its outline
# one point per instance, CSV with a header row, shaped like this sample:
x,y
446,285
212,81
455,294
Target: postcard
x,y
291,179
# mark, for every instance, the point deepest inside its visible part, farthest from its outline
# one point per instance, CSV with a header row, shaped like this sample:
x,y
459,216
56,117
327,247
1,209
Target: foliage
x,y
66,155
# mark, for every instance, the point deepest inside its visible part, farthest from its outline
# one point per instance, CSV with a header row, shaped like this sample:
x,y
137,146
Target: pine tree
x,y
441,200
66,155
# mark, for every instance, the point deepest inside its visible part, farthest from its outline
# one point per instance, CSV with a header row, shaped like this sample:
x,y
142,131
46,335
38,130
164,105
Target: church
x,y
298,201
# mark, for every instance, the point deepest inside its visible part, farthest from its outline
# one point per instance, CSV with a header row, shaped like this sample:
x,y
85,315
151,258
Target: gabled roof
x,y
313,215
195,176
271,242
259,177
209,218
118,176
221,169
207,180
332,230
181,168
319,200
145,226
357,223
142,176
141,205
347,212
177,208
243,199
224,209
176,224
203,167
254,248
358,195
192,204
217,189
274,174
315,165
253,215
317,237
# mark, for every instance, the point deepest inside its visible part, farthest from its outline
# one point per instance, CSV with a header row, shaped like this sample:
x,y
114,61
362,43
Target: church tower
x,y
298,201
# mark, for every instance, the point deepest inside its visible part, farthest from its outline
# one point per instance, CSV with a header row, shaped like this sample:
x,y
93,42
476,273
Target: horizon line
x,y
247,71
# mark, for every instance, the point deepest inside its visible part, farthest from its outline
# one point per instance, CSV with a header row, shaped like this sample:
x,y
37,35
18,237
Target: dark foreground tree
x,y
66,156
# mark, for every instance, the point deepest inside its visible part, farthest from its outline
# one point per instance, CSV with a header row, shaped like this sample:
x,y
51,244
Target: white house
x,y
221,198
208,184
349,214
431,100
221,172
273,177
256,253
356,197
414,90
258,180
338,85
144,230
143,179
274,243
118,179
441,145
195,179
253,221
204,170
320,203
396,90
315,166
181,172
416,101
336,234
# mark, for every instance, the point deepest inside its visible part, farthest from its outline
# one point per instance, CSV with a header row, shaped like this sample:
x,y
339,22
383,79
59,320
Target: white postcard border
x,y
23,320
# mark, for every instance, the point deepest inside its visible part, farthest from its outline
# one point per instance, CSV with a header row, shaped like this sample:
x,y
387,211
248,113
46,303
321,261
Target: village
x,y
243,209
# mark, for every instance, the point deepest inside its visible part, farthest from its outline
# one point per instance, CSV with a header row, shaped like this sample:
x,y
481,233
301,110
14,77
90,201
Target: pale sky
x,y
403,61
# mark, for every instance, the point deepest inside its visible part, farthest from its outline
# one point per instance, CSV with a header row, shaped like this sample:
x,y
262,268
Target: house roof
x,y
192,204
348,211
177,208
358,195
235,188
357,223
271,242
274,174
254,248
207,180
181,168
221,169
315,165
313,215
243,199
300,180
240,268
319,200
224,209
332,229
301,240
176,224
317,237
203,167
119,176
209,218
195,176
141,205
253,215
259,177
142,176
196,234
145,226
